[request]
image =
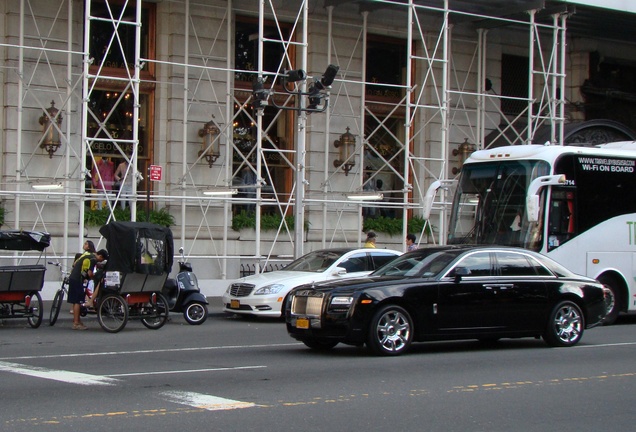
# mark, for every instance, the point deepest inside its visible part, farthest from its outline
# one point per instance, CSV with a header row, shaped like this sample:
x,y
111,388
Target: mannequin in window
x,y
103,178
248,183
126,177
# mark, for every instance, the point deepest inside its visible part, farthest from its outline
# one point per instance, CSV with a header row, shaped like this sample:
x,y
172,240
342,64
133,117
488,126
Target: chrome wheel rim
x,y
393,331
568,324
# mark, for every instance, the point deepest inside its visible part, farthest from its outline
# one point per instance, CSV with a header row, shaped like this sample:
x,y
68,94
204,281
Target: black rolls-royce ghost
x,y
448,292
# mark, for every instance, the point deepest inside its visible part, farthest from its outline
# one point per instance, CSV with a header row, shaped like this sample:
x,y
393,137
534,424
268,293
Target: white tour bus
x,y
574,204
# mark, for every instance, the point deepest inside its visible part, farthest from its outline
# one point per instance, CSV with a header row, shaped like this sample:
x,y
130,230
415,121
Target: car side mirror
x,y
340,271
461,272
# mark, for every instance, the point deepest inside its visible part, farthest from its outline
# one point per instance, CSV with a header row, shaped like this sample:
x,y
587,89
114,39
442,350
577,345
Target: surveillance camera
x,y
295,75
329,75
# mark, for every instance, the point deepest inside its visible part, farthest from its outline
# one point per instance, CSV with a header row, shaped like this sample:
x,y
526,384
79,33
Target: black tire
x,y
56,307
565,325
196,313
614,302
160,313
36,310
390,331
112,313
320,344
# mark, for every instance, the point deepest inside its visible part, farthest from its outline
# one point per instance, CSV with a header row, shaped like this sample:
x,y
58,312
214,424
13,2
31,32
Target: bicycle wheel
x,y
159,313
36,310
56,306
112,313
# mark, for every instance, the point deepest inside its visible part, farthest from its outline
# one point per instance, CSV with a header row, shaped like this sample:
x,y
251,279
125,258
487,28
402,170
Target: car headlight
x,y
269,289
341,301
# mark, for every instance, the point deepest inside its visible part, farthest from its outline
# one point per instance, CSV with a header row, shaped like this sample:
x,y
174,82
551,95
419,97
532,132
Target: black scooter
x,y
184,295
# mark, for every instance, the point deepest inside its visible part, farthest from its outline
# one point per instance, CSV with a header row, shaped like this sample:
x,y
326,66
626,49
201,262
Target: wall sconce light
x,y
210,144
464,151
346,146
50,134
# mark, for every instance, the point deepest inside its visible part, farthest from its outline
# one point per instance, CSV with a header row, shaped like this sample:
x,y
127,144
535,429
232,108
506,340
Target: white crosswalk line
x,y
56,374
203,401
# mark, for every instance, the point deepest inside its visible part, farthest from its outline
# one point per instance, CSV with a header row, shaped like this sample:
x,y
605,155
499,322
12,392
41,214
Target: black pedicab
x,y
140,260
20,285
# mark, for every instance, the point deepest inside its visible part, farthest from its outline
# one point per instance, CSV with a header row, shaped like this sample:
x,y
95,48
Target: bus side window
x,y
561,221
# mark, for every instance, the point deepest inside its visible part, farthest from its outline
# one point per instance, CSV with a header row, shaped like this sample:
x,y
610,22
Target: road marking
x,y
154,351
185,371
203,401
606,345
56,375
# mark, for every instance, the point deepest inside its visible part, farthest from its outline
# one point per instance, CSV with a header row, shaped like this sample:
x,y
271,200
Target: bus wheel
x,y
614,301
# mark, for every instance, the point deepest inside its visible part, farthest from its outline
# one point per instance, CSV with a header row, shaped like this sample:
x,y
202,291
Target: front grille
x,y
308,303
241,290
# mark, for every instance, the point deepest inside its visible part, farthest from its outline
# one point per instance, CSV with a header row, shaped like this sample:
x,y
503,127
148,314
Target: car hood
x,y
292,278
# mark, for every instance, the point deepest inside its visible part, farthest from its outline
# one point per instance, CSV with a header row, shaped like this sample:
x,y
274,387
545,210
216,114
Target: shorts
x,y
75,291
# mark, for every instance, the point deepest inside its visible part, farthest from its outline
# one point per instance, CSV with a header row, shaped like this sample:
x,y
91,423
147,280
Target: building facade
x,y
262,130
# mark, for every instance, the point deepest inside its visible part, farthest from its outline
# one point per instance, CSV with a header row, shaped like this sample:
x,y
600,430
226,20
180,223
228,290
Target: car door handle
x,y
499,287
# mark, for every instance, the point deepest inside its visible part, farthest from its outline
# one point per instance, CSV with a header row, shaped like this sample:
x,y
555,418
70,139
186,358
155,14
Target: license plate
x,y
302,323
235,304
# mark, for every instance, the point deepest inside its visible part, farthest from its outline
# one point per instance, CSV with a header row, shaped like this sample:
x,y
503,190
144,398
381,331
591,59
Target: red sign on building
x,y
155,172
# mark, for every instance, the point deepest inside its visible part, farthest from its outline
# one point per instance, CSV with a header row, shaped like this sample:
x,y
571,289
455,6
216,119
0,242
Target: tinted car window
x,y
478,264
378,259
515,264
315,261
355,263
422,264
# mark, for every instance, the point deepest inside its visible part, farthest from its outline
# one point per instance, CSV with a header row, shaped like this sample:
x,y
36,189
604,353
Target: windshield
x,y
318,261
424,263
490,204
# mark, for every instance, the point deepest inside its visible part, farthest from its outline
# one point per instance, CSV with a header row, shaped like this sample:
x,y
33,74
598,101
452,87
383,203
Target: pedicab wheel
x,y
35,309
112,313
55,307
159,313
196,313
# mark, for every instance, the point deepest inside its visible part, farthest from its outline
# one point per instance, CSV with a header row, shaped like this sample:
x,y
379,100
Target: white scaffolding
x,y
444,102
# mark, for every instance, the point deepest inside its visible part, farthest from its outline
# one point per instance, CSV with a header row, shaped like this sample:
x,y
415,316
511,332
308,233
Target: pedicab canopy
x,y
20,240
138,247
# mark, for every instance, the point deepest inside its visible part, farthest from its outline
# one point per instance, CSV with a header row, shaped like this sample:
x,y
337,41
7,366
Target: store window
x,y
514,83
383,158
111,103
277,133
386,67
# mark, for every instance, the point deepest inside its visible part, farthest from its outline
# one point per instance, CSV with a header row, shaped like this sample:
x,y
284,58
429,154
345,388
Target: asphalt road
x,y
236,374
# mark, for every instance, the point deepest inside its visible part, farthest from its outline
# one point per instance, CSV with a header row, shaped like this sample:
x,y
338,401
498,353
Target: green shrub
x,y
269,222
393,226
1,215
100,217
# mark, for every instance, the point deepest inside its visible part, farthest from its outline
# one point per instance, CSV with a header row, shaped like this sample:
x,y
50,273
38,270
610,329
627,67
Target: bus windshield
x,y
490,204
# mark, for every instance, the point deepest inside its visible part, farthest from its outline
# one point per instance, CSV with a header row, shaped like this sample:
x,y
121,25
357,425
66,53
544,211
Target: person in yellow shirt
x,y
370,242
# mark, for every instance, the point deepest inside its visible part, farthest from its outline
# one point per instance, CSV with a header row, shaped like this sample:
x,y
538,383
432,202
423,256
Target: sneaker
x,y
79,326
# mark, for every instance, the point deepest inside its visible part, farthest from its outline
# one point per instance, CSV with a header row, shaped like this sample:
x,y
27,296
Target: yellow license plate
x,y
302,323
235,304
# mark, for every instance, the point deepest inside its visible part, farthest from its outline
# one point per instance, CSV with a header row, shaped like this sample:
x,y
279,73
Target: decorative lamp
x,y
464,150
210,144
50,133
346,146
